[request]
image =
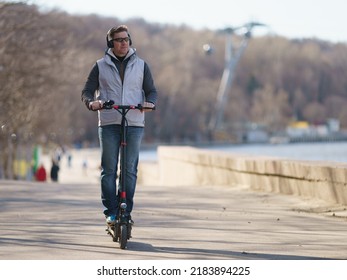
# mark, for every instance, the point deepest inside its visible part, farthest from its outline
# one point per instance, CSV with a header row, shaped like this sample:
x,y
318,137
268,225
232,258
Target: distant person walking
x,y
54,171
85,166
41,174
69,159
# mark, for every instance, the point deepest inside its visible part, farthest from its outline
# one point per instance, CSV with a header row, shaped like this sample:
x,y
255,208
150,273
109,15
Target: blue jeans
x,y
110,142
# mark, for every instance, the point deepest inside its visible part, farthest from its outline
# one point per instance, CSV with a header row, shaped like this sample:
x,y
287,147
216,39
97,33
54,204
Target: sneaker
x,y
110,220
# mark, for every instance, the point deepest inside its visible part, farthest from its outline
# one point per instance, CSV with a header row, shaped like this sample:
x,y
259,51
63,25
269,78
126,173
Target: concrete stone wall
x,y
183,165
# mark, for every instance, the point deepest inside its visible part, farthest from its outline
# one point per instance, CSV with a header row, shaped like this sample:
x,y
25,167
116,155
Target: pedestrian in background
x,y
54,171
41,174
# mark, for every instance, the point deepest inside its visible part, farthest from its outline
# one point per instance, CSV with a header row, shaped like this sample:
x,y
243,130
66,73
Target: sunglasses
x,y
120,40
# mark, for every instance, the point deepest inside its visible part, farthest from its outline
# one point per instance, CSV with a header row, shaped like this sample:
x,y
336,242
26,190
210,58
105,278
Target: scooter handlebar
x,y
109,104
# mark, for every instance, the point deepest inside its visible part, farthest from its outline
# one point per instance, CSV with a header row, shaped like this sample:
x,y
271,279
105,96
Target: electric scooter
x,y
121,230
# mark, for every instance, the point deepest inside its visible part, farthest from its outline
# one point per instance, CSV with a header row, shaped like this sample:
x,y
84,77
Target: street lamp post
x,y
232,57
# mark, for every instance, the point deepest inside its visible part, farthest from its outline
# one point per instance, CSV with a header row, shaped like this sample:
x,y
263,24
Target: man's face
x,y
120,44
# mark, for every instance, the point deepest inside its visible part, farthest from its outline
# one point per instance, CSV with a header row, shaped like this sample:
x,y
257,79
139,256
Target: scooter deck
x,y
112,231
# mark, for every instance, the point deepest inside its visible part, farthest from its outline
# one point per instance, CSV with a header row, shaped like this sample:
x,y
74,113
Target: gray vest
x,y
129,92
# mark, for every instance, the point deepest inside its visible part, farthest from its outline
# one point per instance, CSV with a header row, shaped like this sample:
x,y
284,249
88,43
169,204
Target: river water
x,y
322,151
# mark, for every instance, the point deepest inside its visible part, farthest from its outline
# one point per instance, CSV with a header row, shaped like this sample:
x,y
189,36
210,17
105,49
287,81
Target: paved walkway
x,y
64,221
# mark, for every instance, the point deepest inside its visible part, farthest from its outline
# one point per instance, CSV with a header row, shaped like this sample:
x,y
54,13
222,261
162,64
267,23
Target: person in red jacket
x,y
41,174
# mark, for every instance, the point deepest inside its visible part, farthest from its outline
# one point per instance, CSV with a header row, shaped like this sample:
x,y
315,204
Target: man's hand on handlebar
x,y
96,105
147,106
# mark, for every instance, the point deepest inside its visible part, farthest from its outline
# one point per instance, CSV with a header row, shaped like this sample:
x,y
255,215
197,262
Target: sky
x,y
320,19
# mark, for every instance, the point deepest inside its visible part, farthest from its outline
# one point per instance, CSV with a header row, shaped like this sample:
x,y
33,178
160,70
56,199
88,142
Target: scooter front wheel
x,y
123,237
